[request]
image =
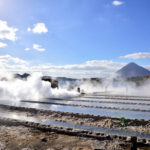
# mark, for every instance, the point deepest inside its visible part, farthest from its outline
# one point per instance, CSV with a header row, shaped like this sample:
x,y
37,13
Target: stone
x,y
44,139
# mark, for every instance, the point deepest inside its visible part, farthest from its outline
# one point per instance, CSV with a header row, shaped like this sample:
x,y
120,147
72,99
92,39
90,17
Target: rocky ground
x,y
27,136
23,138
99,121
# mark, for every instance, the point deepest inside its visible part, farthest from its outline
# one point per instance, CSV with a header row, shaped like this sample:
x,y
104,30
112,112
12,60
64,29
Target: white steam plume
x,y
32,89
122,87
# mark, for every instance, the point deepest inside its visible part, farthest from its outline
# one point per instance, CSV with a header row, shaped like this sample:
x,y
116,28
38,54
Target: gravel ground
x,y
23,138
20,137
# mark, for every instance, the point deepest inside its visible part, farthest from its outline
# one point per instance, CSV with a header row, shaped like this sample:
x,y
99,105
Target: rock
x,y
98,134
54,82
69,129
148,141
44,139
128,139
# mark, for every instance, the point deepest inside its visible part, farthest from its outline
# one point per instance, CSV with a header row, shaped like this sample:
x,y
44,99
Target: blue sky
x,y
74,33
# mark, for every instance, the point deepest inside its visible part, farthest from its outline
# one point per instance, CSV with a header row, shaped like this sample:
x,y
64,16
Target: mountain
x,y
133,70
21,76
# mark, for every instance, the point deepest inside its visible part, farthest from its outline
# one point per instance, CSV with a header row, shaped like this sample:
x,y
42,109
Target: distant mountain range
x,y
133,70
21,76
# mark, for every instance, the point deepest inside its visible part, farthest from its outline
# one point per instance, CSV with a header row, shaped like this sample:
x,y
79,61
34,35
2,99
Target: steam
x,y
122,87
34,88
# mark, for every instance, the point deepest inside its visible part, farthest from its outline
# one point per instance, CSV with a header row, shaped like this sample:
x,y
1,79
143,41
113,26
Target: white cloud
x,y
11,60
117,3
38,47
94,68
27,49
140,55
2,44
7,32
38,28
29,29
92,65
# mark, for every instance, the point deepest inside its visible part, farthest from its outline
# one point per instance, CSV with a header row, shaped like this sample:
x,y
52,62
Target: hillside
x,y
133,70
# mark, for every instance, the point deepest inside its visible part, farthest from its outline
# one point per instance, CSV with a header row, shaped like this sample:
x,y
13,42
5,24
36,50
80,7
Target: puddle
x,y
95,95
83,110
91,111
113,100
76,126
103,104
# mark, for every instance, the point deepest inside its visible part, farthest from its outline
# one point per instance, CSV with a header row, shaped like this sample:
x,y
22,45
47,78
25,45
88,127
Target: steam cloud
x,y
108,86
34,88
